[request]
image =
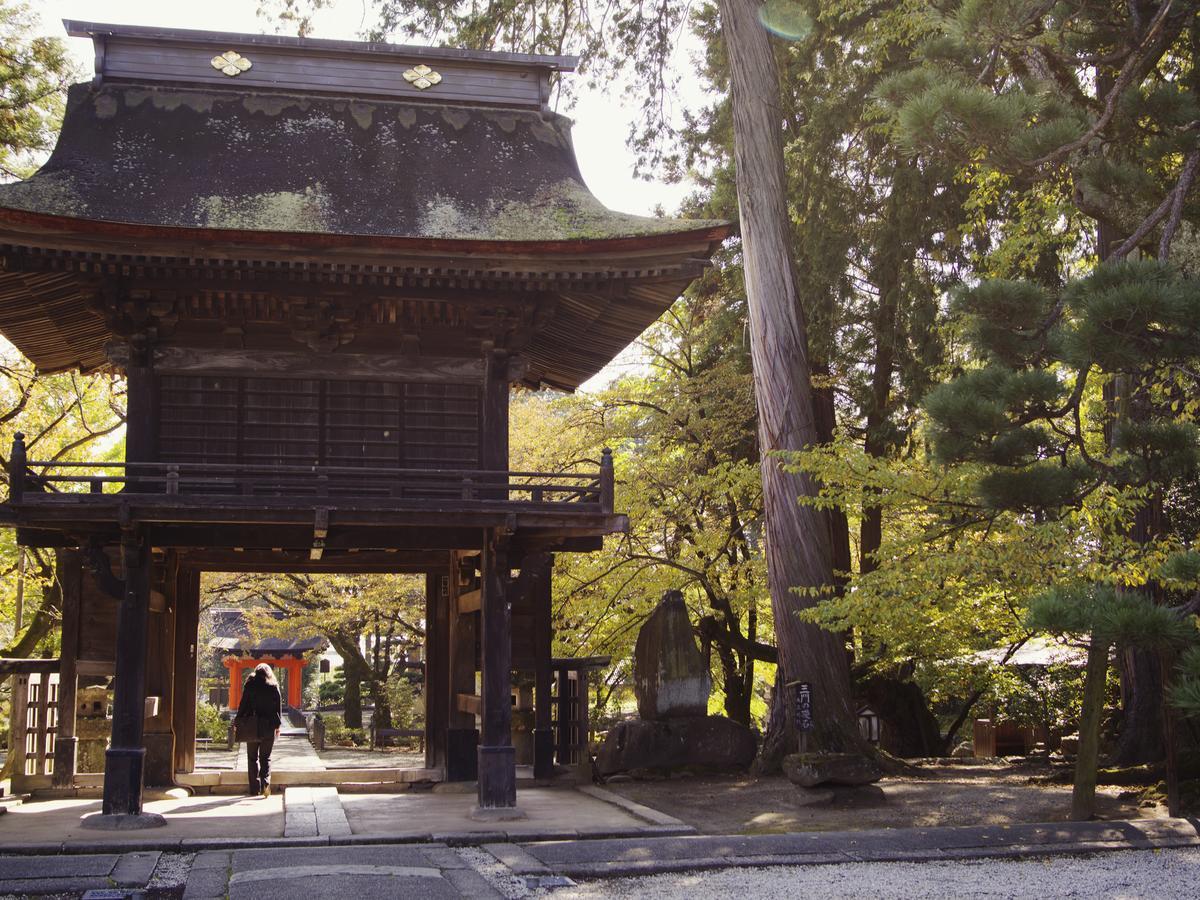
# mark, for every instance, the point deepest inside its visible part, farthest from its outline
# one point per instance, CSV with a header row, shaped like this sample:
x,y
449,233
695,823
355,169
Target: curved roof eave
x,y
102,236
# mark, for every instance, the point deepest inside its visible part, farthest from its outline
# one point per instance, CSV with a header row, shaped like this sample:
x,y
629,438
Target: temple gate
x,y
320,266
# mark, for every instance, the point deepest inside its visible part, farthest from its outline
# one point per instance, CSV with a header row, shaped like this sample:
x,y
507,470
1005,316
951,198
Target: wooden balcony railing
x,y
586,491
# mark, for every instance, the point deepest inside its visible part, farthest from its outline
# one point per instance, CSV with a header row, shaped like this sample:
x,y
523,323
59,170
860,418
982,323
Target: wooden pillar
x,y
125,757
497,758
159,739
462,738
234,665
141,430
536,576
584,761
187,624
69,574
437,667
495,414
295,682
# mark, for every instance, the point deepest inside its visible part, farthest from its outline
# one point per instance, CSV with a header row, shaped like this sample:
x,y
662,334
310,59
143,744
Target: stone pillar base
x,y
123,768
123,821
497,777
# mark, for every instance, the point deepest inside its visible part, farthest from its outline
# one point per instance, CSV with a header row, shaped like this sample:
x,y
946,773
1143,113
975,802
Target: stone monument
x,y
672,684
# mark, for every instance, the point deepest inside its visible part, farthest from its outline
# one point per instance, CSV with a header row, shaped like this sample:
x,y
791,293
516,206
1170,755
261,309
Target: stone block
x,y
670,678
708,742
811,769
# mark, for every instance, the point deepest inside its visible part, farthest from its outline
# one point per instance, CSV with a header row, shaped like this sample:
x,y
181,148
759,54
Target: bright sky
x,y
602,122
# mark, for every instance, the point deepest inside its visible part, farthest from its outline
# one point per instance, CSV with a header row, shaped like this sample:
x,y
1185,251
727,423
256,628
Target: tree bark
x,y
354,668
1141,736
1083,795
798,549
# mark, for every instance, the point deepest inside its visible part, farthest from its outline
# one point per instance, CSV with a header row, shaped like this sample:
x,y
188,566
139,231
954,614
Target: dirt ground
x,y
996,794
364,758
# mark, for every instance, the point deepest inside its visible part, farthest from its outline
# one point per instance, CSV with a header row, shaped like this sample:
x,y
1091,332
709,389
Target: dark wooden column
x,y
69,573
437,667
187,624
141,429
497,758
462,738
159,738
536,578
125,757
494,427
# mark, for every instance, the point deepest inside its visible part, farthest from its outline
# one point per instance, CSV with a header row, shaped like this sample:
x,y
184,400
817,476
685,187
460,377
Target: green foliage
x,y
337,734
1185,693
405,701
66,417
681,426
34,72
210,724
330,693
1124,618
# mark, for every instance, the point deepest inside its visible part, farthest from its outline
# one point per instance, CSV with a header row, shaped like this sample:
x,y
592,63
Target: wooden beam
x,y
371,367
11,666
469,601
469,703
400,561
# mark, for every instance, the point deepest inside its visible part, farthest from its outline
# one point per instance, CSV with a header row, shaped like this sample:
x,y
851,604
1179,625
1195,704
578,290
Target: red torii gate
x,y
239,665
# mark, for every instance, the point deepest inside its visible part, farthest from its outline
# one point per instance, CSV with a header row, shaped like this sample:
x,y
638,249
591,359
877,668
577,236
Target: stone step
x,y
313,812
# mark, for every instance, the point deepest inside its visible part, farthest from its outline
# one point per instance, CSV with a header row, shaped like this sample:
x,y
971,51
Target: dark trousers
x,y
258,762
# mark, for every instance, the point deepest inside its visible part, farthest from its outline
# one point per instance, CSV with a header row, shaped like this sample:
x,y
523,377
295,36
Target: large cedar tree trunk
x,y
798,548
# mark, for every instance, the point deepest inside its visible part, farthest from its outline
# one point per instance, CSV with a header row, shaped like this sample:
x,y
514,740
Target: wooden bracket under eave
x,y
320,532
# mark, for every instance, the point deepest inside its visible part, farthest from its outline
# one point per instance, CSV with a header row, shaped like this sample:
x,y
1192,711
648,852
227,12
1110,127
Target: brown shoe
x,y
266,792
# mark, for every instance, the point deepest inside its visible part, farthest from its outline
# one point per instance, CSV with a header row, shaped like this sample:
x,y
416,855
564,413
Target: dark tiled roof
x,y
247,162
231,633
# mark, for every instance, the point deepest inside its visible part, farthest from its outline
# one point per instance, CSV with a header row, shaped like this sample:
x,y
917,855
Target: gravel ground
x,y
1158,874
171,873
496,873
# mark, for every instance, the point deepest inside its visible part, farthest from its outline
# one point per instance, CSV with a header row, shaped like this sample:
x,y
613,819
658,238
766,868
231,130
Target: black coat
x,y
264,701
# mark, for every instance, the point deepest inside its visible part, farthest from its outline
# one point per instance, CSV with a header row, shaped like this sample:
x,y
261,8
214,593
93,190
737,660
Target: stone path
x,y
292,753
70,874
428,871
312,811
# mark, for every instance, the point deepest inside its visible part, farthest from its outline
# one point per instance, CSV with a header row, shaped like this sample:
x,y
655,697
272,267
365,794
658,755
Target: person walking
x,y
262,700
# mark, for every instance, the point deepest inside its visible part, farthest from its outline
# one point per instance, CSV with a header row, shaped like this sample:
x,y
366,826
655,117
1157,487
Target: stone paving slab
x,y
648,855
56,866
337,873
75,873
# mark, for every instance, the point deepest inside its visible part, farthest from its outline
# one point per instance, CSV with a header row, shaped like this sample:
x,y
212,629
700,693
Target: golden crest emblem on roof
x,y
422,77
231,63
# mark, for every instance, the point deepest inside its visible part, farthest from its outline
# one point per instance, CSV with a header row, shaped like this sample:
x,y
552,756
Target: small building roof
x,y
1036,651
231,635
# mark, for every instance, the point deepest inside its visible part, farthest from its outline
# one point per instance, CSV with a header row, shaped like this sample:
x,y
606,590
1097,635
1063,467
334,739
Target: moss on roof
x,y
296,163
